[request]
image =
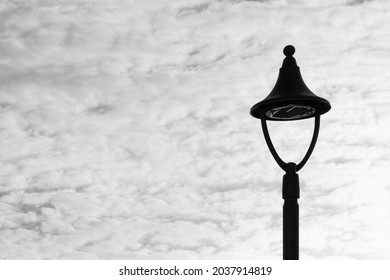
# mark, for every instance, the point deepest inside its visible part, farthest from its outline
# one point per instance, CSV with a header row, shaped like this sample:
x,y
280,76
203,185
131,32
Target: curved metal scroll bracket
x,y
277,158
312,144
279,161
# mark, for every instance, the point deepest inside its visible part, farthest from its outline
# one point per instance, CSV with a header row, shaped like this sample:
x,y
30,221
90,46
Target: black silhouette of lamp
x,y
290,100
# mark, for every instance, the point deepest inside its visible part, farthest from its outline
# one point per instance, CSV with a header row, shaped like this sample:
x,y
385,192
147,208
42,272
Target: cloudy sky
x,y
125,130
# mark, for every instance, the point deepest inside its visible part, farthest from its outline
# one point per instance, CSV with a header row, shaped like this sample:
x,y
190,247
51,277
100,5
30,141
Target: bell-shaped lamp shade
x,y
290,99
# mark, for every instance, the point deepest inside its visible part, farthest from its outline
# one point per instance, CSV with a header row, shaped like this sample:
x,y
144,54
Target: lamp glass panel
x,y
290,112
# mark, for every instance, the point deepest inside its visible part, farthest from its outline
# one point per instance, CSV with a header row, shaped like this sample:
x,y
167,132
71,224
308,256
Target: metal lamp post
x,y
290,100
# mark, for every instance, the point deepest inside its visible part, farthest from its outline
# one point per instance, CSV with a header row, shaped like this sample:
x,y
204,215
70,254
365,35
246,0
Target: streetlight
x,y
290,100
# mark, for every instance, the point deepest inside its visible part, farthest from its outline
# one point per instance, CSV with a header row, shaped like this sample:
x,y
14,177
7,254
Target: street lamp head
x,y
290,99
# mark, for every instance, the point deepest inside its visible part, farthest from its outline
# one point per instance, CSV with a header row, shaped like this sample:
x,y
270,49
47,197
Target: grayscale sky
x,y
125,130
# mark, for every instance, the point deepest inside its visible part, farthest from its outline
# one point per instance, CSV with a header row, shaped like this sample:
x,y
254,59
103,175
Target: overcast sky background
x,y
125,130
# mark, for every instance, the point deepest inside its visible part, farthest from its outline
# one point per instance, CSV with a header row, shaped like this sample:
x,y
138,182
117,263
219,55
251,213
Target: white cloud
x,y
125,129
